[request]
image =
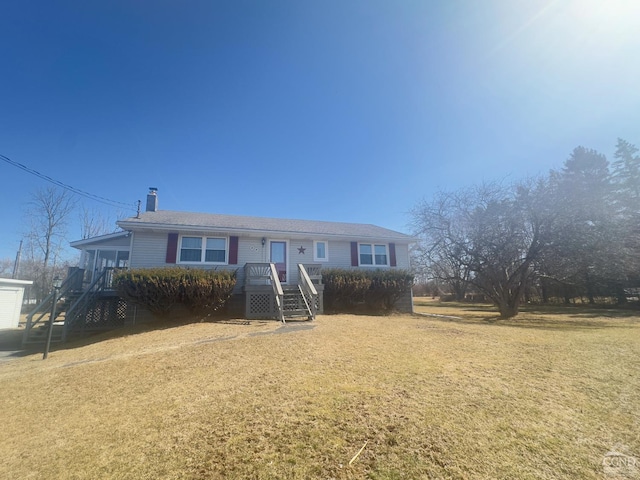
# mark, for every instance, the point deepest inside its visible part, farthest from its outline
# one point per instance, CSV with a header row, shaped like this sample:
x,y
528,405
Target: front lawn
x,y
462,395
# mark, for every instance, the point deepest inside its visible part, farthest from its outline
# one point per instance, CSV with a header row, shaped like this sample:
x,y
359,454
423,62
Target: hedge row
x,y
160,289
371,290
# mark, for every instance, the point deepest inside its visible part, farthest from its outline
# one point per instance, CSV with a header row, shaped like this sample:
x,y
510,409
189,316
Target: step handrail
x,y
44,307
277,291
308,290
306,303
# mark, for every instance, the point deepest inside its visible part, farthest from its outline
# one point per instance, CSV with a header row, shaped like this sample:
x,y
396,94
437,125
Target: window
x,y
191,251
374,255
380,256
216,250
320,251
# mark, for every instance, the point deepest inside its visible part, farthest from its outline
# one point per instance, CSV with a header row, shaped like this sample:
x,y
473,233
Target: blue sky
x,y
331,110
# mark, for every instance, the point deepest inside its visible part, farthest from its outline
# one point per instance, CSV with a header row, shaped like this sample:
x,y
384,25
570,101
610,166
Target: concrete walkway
x,y
8,355
287,328
11,343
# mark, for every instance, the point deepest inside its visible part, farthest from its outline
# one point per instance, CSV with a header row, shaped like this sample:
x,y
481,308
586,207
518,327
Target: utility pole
x,y
16,265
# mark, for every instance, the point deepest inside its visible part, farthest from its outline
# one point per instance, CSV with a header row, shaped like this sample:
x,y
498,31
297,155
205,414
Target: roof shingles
x,y
181,220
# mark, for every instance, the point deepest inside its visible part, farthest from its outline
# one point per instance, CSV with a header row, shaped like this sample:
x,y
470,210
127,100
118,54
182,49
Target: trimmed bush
x,y
205,291
160,289
371,290
344,289
387,287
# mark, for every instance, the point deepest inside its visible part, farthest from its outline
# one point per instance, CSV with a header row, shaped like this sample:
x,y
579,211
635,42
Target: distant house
x,y
278,261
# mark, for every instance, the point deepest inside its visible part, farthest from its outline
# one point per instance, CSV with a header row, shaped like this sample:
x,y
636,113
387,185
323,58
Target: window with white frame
x,y
320,251
373,255
203,250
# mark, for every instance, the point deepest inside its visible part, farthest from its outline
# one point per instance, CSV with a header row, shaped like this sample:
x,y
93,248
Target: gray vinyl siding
x,y
340,255
149,250
402,256
116,242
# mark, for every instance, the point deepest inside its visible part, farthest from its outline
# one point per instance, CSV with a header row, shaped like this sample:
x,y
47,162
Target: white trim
x,y
250,232
203,250
131,247
100,238
12,282
315,251
109,247
373,255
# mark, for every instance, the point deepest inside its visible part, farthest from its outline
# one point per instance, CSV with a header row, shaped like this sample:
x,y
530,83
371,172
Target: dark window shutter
x,y
392,254
172,248
233,250
354,254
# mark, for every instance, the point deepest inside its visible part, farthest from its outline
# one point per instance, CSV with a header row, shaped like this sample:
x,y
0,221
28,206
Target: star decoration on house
x,y
301,250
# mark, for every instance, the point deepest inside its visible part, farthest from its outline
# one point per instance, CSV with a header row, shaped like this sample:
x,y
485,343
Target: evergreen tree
x,y
626,178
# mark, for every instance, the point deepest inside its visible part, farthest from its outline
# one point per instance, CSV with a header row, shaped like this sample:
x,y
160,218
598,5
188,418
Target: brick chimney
x,y
152,199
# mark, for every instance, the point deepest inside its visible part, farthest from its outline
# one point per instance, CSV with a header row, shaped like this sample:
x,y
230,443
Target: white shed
x,y
11,294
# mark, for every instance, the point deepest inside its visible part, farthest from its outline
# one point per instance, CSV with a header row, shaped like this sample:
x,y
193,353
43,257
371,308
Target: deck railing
x,y
257,274
266,274
314,271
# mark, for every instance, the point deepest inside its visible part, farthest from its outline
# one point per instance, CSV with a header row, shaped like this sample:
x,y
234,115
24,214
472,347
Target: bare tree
x,y
48,214
488,237
6,267
93,223
443,253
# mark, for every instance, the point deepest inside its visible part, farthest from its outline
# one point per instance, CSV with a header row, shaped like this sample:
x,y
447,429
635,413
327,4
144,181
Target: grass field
x,y
460,395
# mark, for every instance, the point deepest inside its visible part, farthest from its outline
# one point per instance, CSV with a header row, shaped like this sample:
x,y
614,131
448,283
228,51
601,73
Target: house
x,y
278,261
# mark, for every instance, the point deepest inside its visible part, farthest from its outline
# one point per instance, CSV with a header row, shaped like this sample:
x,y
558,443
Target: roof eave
x,y
258,232
99,238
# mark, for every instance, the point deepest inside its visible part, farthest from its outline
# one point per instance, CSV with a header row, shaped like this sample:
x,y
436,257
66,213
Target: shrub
x,y
344,289
157,289
387,287
373,290
205,291
160,289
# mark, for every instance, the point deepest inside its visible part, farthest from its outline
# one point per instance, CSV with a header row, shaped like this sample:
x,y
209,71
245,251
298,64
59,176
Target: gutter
x,y
162,227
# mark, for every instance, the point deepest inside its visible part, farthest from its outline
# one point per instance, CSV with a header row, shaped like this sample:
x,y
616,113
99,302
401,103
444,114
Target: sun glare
x,y
608,16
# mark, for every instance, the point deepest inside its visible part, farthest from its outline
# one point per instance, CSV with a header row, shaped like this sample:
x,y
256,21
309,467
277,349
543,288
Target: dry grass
x,y
544,396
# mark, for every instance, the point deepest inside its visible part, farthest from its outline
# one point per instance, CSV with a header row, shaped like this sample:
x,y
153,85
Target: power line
x,y
77,191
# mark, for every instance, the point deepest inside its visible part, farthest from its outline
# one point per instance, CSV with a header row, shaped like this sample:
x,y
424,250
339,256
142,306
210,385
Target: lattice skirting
x,y
109,312
259,305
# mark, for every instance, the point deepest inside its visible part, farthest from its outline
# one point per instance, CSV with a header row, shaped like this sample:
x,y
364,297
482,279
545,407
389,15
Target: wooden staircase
x,y
38,335
36,327
77,310
295,305
266,297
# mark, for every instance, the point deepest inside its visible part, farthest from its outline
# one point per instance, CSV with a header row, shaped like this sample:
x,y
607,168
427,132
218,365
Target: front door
x,y
279,257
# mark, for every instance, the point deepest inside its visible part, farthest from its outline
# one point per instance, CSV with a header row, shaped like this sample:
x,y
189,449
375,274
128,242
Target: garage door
x,y
10,304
